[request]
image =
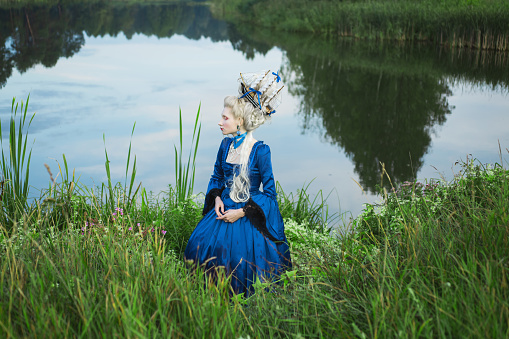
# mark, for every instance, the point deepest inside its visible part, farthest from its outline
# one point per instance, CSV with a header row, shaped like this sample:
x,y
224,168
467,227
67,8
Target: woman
x,y
242,229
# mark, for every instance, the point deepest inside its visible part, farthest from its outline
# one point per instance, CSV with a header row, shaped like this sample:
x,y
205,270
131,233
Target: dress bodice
x,y
260,170
229,169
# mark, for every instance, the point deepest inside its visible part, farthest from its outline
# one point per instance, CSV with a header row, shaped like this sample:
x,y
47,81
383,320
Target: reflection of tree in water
x,y
375,115
375,118
5,62
30,37
378,102
367,99
43,34
242,40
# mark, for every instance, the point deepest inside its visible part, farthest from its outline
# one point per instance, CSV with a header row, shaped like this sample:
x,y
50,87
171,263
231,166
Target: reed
x,y
431,252
125,195
305,209
184,172
15,164
481,25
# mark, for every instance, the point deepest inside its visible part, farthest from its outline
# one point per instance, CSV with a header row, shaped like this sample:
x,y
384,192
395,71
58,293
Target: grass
x,y
307,210
474,24
14,165
184,180
436,259
430,261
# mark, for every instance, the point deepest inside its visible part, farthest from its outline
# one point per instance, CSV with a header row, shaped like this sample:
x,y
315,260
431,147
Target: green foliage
x,y
184,179
433,250
127,196
15,164
86,285
304,209
463,23
172,214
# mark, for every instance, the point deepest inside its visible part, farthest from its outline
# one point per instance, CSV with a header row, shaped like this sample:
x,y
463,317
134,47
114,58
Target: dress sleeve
x,y
217,181
265,166
263,209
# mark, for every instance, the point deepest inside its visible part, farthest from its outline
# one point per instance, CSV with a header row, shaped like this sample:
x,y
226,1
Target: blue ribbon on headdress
x,y
271,112
278,78
258,93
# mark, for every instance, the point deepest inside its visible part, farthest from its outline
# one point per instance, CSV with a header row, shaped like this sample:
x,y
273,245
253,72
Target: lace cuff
x,y
210,199
256,216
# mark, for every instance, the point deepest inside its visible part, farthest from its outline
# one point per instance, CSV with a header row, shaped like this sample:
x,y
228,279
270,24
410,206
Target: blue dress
x,y
254,245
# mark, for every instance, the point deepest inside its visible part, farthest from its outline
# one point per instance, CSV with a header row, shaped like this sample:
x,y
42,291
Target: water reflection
x,y
43,34
379,103
376,114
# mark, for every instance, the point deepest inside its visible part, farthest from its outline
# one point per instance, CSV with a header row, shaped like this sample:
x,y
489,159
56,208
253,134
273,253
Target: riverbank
x,y
430,260
478,24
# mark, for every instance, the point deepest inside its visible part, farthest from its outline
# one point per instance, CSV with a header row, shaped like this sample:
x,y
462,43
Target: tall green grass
x,y
184,172
472,24
107,190
15,164
312,211
67,203
431,262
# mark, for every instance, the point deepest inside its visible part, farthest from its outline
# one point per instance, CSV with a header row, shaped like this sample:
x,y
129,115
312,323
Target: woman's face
x,y
228,123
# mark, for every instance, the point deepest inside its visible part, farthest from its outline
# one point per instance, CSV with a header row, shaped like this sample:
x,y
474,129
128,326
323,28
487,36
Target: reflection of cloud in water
x,y
56,93
67,84
73,116
470,133
162,88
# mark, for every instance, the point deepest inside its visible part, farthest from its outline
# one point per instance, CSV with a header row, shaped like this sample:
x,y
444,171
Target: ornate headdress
x,y
262,90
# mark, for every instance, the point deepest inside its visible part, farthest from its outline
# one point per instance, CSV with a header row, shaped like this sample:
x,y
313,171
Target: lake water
x,y
95,70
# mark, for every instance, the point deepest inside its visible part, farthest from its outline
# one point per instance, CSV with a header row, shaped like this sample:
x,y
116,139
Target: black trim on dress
x,y
210,198
256,216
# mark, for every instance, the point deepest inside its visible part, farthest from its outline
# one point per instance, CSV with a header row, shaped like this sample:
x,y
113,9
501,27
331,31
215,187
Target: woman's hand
x,y
219,208
232,215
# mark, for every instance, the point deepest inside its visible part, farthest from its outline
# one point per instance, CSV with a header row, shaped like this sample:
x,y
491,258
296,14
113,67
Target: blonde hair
x,y
252,119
